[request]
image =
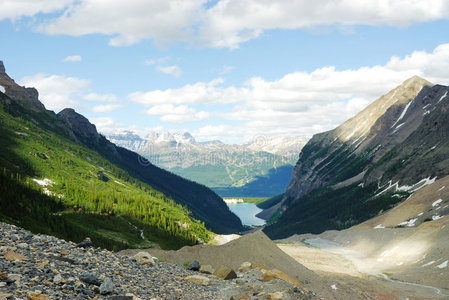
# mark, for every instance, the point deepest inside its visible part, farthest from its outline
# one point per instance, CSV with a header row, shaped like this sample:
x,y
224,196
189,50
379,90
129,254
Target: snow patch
x,y
436,217
407,188
426,112
402,114
2,89
442,265
428,264
351,134
334,287
409,223
379,226
441,188
433,148
44,182
118,182
442,97
436,203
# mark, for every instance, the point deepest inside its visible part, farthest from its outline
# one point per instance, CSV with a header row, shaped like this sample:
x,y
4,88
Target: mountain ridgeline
x,y
258,168
375,160
92,186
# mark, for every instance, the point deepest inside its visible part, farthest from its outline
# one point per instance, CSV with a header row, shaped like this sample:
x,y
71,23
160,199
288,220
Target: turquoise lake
x,y
247,213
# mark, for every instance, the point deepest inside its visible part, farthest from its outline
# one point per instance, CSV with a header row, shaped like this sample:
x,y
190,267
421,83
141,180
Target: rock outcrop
x,y
28,97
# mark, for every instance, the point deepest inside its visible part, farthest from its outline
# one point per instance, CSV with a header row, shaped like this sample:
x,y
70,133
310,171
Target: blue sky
x,y
227,69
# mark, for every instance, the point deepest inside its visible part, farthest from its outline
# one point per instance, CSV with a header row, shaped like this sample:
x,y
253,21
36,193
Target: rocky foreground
x,y
39,267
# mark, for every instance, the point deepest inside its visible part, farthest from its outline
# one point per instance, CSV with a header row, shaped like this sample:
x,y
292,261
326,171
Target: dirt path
x,y
351,269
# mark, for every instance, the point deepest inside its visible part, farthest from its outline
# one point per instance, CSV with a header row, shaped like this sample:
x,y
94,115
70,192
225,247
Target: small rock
x,y
276,295
194,266
85,244
107,287
90,278
198,279
14,277
144,258
5,296
207,269
225,272
245,266
268,276
37,295
57,279
121,298
12,256
22,245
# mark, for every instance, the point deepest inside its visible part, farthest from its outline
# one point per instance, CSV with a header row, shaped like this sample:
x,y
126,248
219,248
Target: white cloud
x,y
73,58
298,103
14,9
174,70
200,92
57,92
227,23
105,124
177,114
101,98
105,108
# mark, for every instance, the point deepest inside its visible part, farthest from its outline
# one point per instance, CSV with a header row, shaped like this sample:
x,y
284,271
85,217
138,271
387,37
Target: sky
x,y
226,69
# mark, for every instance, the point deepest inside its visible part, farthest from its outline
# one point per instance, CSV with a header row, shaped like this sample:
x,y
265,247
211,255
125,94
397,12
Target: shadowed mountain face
x,y
204,204
369,163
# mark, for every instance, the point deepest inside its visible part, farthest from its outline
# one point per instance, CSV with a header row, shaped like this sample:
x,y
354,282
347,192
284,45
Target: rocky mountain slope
x,y
259,167
370,163
88,183
40,267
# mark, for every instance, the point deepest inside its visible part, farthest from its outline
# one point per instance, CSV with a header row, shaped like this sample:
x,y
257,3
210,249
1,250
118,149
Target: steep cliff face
x,y
369,163
25,96
345,152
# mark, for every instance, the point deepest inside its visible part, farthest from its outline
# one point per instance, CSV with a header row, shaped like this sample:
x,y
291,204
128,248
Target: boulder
x,y
90,278
194,265
207,269
276,274
245,266
198,279
107,287
144,258
276,295
225,272
85,244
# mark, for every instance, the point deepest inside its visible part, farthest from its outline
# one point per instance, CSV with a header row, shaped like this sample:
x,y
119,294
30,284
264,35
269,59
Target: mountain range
x,y
370,163
60,176
256,168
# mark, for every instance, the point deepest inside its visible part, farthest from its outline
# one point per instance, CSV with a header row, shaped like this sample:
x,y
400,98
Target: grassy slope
x,y
34,152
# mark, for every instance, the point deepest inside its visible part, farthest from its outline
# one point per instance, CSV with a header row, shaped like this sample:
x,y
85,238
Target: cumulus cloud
x,y
105,124
13,9
298,103
72,58
226,23
57,92
200,92
104,108
177,114
174,70
101,98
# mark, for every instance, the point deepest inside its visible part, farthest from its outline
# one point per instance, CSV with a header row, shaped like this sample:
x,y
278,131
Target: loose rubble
x,y
40,267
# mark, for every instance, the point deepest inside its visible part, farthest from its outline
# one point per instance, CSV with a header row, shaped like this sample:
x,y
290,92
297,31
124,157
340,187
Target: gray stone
x,y
207,269
194,266
57,279
107,287
90,278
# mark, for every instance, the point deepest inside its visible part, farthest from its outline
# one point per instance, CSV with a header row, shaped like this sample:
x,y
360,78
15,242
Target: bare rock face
x,y
25,96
